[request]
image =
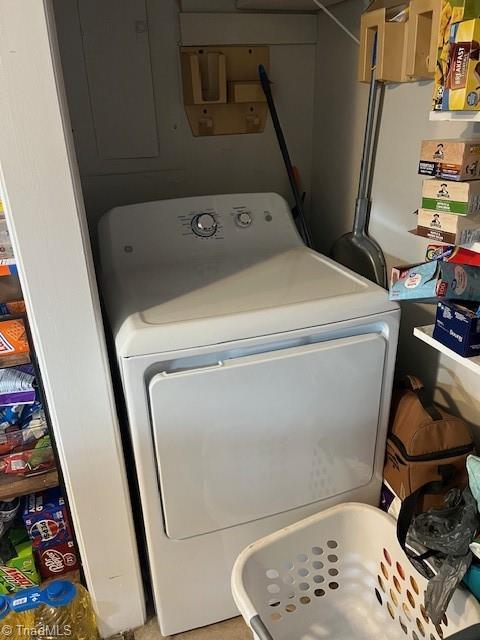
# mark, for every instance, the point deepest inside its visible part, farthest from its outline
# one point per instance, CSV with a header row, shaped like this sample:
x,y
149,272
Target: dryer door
x,y
262,434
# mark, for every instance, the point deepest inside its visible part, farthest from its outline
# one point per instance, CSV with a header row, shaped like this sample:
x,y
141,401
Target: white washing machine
x,y
257,377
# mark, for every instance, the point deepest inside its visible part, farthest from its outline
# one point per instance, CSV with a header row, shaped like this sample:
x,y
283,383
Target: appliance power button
x,y
243,219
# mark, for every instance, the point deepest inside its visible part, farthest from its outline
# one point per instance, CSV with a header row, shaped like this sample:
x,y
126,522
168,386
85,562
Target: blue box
x,y
436,280
457,326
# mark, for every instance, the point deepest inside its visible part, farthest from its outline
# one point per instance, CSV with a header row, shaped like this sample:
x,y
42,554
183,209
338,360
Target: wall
x,y
186,165
340,110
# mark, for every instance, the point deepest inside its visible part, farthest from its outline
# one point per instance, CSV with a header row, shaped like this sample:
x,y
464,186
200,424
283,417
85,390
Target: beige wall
x,y
186,165
340,110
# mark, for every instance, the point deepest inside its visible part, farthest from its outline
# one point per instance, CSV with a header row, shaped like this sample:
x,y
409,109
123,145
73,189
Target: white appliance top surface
x,y
167,288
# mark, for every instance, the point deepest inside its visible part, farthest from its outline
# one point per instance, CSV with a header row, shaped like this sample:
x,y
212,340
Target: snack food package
x,y
462,79
448,196
6,249
453,11
445,227
13,339
436,280
46,519
450,159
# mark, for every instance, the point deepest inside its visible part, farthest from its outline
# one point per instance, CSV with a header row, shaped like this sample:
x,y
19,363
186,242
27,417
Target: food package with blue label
x,y
457,326
436,280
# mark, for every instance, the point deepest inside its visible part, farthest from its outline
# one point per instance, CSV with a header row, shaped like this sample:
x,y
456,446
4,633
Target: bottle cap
x,y
59,593
4,607
25,600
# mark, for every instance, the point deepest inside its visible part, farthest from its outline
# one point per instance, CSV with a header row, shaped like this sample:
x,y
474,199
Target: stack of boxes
x,y
450,211
46,520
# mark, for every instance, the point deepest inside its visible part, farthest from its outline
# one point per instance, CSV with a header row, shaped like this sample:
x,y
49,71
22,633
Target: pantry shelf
x,y
426,335
455,116
12,487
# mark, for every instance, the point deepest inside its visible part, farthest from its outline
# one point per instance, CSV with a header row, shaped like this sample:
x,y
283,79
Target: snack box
x,y
445,227
457,326
57,560
452,11
6,249
19,571
436,280
447,196
11,308
17,386
46,519
450,159
462,80
13,338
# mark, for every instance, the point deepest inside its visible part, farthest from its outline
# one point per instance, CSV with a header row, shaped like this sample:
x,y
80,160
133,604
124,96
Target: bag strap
x,y
409,505
470,633
412,383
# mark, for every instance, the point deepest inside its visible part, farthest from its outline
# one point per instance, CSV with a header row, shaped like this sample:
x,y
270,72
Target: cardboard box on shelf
x,y
57,560
462,80
453,12
435,280
457,326
13,341
17,570
46,519
6,249
450,159
448,196
445,227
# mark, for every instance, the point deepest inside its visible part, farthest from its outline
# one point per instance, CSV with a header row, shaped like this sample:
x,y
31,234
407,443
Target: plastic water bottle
x,y
17,615
65,611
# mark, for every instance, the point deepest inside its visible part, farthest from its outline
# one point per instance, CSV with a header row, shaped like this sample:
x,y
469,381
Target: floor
x,y
234,629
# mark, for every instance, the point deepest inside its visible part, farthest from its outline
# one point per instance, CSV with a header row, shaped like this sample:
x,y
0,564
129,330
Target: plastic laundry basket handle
x,y
261,631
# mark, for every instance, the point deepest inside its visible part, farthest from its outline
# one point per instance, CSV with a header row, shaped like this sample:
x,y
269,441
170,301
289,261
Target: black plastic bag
x,y
445,534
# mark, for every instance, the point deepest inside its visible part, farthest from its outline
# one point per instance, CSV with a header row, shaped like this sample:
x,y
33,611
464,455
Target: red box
x,y
57,560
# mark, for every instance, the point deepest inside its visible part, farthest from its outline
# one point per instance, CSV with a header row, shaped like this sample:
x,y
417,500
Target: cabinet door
x,y
117,57
263,434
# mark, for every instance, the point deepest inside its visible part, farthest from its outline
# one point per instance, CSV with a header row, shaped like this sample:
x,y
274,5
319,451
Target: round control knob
x,y
243,219
204,224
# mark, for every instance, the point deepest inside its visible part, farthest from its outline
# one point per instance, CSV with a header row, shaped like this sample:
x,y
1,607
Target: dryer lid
x,y
166,291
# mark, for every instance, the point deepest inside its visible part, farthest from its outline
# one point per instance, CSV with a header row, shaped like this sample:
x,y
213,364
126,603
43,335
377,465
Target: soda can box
x,y
444,227
436,280
450,159
19,570
448,196
57,560
46,520
458,328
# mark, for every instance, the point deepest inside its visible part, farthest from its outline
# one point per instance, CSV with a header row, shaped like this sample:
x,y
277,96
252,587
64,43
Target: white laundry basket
x,y
341,575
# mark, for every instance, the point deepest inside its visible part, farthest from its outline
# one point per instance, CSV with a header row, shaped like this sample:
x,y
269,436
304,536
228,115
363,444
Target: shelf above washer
x,y
455,116
426,335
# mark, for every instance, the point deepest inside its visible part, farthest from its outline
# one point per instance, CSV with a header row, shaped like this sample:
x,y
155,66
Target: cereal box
x,y
451,159
453,11
448,196
447,228
462,79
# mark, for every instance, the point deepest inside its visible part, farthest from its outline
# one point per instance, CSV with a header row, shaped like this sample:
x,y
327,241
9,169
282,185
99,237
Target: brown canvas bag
x,y
426,453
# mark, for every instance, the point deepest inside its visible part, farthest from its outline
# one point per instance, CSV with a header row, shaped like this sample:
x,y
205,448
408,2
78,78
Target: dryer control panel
x,y
203,229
